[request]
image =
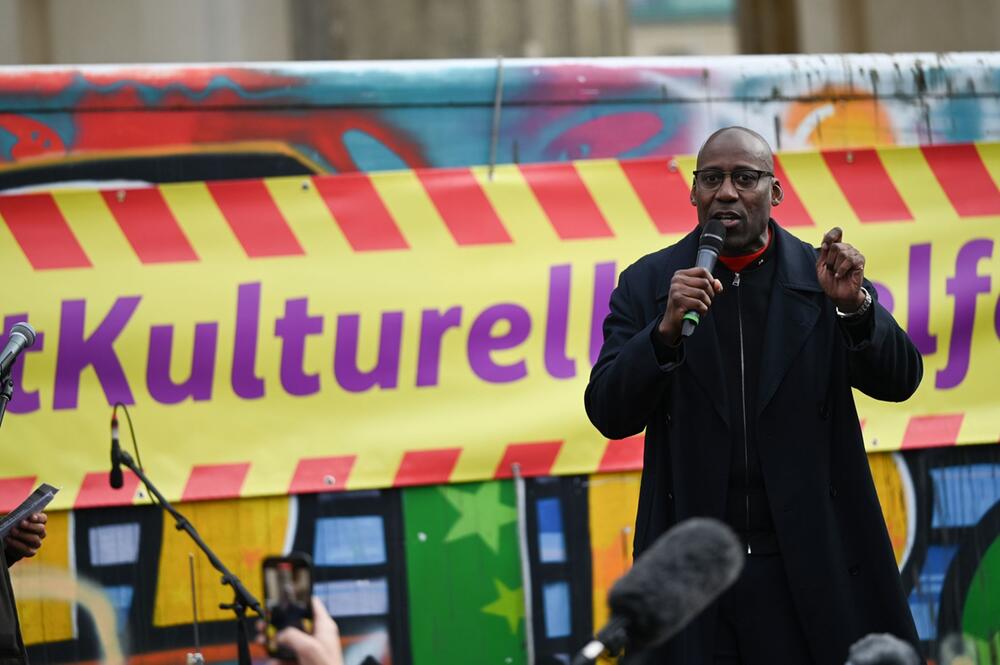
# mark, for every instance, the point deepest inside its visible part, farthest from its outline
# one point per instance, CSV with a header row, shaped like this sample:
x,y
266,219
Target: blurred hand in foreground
x,y
320,648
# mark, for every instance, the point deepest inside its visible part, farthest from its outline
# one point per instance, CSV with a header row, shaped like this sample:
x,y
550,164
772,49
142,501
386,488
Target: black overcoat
x,y
829,524
11,646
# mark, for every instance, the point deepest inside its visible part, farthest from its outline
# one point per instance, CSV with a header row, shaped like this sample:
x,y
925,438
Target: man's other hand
x,y
691,290
25,539
840,269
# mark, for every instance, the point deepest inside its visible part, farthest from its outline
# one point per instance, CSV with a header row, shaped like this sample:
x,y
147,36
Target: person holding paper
x,y
23,541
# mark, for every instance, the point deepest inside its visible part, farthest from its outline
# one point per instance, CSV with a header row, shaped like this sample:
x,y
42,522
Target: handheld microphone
x,y
115,478
670,584
21,337
712,238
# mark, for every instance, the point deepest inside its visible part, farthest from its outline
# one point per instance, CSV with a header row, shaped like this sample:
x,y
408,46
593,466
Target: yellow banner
x,y
373,330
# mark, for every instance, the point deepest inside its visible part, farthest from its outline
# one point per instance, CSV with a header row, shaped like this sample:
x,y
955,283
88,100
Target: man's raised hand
x,y
840,270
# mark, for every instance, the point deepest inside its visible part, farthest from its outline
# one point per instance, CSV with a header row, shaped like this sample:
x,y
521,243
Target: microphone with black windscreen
x,y
686,569
20,338
709,247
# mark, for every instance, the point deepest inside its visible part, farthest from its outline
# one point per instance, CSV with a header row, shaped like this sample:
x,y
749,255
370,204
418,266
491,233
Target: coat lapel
x,y
792,313
701,349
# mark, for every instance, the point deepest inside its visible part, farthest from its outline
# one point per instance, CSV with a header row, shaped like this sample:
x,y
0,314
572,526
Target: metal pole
x,y
495,129
195,658
522,539
194,602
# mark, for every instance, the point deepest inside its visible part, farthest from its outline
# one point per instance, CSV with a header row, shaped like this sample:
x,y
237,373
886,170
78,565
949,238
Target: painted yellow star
x,y
509,605
481,513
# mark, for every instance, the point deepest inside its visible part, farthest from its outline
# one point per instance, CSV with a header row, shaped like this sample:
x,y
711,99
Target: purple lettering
x,y
198,385
557,320
604,284
919,315
884,296
385,374
76,353
996,319
23,401
293,329
433,325
482,342
246,384
965,286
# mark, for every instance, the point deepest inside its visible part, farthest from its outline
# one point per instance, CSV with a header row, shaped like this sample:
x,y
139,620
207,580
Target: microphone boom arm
x,y
242,598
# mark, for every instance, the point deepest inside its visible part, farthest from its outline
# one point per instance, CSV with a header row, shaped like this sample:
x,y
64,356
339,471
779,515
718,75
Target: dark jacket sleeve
x,y
884,363
11,556
628,381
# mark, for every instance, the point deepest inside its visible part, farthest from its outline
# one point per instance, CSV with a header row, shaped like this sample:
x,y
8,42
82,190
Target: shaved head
x,y
757,145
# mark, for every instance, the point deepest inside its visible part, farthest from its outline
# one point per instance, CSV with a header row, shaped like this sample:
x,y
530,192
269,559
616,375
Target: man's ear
x,y
692,199
777,194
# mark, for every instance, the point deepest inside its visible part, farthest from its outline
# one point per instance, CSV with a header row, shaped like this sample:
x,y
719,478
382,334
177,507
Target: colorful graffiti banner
x,y
305,334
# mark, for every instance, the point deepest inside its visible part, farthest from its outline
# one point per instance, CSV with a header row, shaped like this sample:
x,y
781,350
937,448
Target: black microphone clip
x,y
115,478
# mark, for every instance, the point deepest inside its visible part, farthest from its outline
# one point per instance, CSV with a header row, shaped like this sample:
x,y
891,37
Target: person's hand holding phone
x,y
320,648
287,598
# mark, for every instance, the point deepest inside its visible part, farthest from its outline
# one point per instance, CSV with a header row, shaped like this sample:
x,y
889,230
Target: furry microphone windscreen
x,y
675,579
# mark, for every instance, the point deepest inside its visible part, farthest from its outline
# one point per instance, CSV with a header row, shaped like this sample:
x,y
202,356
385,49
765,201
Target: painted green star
x,y
509,605
481,513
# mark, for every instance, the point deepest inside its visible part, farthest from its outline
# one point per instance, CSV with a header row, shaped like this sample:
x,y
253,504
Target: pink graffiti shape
x,y
607,136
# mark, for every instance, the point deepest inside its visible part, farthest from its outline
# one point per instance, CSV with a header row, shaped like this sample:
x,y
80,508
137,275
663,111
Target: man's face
x,y
744,212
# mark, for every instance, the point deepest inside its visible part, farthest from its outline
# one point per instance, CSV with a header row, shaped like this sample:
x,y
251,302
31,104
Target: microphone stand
x,y
242,599
6,392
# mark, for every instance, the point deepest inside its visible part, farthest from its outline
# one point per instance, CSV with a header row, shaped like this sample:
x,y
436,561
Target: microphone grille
x,y
713,235
23,328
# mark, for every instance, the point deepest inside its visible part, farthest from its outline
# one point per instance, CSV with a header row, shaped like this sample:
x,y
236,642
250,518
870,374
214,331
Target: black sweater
x,y
740,312
741,308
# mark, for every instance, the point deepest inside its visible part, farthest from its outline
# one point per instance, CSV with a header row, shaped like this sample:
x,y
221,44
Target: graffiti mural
x,y
128,587
431,574
166,124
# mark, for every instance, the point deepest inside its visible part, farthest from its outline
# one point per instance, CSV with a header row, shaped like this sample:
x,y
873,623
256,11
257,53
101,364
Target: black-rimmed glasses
x,y
743,179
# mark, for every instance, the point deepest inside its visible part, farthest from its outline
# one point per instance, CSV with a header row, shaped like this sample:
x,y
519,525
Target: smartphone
x,y
288,588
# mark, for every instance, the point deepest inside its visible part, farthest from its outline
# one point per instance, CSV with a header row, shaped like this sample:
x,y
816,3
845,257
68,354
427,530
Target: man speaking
x,y
750,418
